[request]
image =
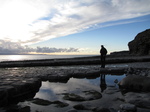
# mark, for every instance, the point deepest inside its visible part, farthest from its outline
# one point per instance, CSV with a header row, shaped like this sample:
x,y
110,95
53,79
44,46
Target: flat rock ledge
x,y
17,89
22,83
95,60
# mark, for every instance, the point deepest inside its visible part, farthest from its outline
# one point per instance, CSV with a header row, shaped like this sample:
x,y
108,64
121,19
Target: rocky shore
x,y
95,60
21,80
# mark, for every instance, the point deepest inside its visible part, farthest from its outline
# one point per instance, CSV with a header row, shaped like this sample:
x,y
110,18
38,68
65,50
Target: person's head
x,y
102,46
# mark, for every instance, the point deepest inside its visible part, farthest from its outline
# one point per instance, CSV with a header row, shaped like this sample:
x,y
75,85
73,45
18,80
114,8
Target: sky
x,y
70,26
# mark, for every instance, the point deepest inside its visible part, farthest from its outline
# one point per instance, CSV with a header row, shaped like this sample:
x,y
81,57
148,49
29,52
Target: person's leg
x,y
102,62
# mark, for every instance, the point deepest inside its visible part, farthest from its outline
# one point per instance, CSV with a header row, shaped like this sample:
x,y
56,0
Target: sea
x,y
37,57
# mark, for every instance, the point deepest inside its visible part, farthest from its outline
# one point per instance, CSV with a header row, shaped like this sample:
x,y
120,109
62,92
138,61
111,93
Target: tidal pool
x,y
87,91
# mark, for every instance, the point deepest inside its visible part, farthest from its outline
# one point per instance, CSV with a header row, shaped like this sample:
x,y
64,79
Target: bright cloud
x,y
30,21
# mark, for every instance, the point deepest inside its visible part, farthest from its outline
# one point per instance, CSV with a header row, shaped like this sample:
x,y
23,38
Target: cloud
x,y
27,21
54,50
7,47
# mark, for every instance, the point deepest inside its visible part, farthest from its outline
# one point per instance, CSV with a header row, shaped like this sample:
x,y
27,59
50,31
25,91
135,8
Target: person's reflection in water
x,y
103,84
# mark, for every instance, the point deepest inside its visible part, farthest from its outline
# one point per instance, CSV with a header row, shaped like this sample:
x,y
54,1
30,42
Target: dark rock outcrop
x,y
141,44
135,83
119,53
19,90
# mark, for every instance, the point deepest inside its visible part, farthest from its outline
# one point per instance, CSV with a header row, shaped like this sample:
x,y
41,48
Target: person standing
x,y
103,53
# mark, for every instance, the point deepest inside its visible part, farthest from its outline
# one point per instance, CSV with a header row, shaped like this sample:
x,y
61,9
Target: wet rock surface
x,y
136,83
23,83
16,89
88,96
128,107
47,102
141,100
95,60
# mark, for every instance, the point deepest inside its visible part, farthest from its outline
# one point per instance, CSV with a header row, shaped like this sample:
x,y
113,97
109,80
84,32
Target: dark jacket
x,y
103,51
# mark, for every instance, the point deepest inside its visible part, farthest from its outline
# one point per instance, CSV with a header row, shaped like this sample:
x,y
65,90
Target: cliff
x,y
141,44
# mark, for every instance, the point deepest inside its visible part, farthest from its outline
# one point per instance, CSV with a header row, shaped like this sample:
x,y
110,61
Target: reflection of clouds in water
x,y
95,81
83,84
46,94
48,91
111,78
51,91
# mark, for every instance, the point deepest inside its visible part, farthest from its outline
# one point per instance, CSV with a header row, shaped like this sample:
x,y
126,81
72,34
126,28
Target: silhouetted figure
x,y
103,85
103,53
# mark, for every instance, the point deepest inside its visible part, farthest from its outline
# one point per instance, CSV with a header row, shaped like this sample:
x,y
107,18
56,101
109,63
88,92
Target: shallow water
x,y
54,91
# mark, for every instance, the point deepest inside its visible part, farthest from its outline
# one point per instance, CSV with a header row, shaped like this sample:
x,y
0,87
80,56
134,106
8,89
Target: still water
x,y
54,91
